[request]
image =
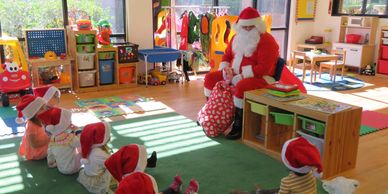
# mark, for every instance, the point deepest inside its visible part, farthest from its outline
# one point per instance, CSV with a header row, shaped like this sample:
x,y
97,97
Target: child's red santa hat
x,y
92,136
301,156
128,159
46,92
56,120
28,106
138,183
250,17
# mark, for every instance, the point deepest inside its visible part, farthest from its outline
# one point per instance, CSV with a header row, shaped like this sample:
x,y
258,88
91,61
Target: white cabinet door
x,y
353,57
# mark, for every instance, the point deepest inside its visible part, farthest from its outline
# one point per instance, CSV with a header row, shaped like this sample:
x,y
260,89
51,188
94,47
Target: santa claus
x,y
251,55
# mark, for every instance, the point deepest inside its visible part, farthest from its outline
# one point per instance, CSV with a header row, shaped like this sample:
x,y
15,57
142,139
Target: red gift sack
x,y
218,113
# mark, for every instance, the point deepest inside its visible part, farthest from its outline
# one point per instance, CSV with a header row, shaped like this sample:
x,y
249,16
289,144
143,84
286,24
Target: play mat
x,y
118,105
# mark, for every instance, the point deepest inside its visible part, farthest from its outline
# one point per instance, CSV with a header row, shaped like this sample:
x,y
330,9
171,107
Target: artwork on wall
x,y
305,10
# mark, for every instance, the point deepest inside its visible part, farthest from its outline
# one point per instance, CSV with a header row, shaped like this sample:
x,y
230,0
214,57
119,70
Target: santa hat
x,y
56,120
137,183
93,135
301,156
128,159
250,17
28,106
46,92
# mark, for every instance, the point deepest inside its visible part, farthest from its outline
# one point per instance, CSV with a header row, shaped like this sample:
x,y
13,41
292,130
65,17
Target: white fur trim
x,y
223,64
237,78
142,160
50,93
260,25
249,22
238,102
63,124
304,169
207,92
31,109
269,79
247,71
154,184
237,62
19,120
106,135
84,161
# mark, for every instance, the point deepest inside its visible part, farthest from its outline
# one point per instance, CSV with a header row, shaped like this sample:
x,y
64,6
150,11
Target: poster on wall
x,y
305,10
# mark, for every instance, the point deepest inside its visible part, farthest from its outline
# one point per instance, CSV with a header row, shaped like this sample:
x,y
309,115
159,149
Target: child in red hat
x,y
49,93
64,148
94,176
35,141
127,167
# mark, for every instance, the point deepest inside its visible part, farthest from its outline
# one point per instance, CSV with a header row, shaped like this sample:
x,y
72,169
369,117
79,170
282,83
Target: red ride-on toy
x,y
14,75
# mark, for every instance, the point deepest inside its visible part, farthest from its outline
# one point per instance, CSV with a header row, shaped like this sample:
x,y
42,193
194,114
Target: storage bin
x,y
85,48
312,125
385,34
384,52
316,141
126,74
127,52
106,55
383,67
385,41
84,38
283,118
87,78
106,71
85,61
258,108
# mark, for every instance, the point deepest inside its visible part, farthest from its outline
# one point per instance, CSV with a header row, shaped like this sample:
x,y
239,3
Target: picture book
x,y
282,87
321,105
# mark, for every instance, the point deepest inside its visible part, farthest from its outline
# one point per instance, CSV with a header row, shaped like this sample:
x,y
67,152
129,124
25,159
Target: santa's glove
x,y
236,79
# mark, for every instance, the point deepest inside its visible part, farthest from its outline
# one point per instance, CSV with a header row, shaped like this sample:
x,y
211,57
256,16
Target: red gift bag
x,y
218,113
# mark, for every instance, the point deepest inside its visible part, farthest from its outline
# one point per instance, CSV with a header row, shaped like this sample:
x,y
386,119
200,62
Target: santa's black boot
x,y
237,125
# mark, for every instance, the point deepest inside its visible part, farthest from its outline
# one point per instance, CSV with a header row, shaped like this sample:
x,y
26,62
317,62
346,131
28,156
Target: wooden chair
x,y
300,60
335,64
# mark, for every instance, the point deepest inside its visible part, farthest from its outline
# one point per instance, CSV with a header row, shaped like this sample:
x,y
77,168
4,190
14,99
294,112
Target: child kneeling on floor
x,y
303,160
50,94
35,141
94,176
64,148
127,167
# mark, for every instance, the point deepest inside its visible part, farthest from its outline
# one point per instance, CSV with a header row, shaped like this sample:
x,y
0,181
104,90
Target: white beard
x,y
244,44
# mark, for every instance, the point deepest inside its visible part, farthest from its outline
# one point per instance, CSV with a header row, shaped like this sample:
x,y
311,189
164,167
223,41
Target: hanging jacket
x,y
193,28
184,33
205,28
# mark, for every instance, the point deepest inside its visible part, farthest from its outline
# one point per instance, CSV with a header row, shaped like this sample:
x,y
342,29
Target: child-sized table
x,y
158,55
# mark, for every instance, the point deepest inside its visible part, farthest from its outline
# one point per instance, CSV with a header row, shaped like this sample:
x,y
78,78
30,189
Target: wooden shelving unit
x,y
339,141
382,60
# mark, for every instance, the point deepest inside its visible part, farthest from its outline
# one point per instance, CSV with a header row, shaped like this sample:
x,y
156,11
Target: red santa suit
x,y
249,69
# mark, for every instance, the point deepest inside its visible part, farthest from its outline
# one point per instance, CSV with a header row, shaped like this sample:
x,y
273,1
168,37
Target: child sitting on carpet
x,y
94,176
35,141
50,94
64,148
302,158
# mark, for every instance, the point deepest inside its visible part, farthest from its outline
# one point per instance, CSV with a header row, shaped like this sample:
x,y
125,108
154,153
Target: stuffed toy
x,y
340,185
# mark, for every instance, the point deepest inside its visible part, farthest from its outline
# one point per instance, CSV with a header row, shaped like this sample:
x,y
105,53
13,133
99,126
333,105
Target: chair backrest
x,y
341,56
297,55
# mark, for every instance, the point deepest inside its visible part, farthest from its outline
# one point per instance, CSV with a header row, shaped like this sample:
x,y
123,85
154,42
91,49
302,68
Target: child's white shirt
x,y
67,156
96,165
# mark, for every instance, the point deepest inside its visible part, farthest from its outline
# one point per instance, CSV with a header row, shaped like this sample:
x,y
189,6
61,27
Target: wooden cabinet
x,y
337,133
361,54
382,60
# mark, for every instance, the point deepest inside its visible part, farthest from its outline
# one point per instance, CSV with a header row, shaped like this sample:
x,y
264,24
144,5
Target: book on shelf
x,y
321,105
282,87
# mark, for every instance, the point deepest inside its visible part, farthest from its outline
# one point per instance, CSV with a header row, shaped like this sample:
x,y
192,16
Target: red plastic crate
x,y
384,52
383,67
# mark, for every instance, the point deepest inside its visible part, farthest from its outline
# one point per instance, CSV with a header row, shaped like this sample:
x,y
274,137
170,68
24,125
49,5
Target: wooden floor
x,y
372,163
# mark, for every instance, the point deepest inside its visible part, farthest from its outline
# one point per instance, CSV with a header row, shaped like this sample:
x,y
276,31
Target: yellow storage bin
x,y
258,108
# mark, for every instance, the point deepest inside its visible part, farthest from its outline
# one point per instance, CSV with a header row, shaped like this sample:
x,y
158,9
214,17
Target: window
x,y
360,7
193,2
33,14
235,7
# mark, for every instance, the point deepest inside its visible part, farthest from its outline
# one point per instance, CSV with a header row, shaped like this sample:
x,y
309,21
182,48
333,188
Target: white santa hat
x,y
250,17
137,183
92,136
28,106
56,120
128,159
301,156
46,92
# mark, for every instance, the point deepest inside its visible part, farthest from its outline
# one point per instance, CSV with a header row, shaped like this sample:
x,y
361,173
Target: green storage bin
x,y
106,55
283,118
84,38
312,125
258,108
85,48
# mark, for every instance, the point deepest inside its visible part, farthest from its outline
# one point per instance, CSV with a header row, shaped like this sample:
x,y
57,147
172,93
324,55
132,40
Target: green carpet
x,y
219,165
